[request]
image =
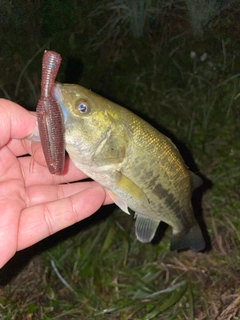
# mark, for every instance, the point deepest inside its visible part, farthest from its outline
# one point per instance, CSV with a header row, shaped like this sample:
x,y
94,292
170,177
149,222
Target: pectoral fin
x,y
145,228
130,187
119,202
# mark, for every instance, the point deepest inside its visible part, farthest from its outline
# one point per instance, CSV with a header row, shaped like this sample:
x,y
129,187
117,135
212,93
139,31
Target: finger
x,y
47,193
15,121
8,233
22,147
35,174
11,204
41,221
17,147
34,166
9,168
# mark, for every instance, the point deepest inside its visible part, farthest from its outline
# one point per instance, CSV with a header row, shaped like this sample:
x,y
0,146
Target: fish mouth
x,y
57,96
67,120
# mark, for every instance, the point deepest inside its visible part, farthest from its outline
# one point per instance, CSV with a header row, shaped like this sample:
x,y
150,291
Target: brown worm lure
x,y
49,116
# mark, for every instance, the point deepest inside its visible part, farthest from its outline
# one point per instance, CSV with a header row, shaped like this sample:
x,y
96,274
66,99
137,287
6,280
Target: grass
x,y
96,269
200,14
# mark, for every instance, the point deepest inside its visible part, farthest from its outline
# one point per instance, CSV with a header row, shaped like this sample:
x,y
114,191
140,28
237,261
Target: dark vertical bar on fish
x,y
49,116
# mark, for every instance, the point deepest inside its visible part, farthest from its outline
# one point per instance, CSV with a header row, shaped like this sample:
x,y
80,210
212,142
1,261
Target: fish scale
x,y
163,175
139,166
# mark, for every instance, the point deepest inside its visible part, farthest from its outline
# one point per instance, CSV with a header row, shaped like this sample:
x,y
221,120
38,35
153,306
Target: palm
x,y
34,203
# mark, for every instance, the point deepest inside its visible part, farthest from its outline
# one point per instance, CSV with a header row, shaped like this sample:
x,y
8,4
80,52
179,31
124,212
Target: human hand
x,y
34,203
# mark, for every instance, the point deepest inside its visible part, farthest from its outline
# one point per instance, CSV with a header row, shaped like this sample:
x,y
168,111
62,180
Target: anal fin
x,y
145,228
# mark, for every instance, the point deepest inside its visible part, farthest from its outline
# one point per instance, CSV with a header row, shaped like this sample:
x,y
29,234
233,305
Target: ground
x,y
184,79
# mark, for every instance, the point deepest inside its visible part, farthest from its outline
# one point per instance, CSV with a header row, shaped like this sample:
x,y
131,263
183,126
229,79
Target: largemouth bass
x,y
140,167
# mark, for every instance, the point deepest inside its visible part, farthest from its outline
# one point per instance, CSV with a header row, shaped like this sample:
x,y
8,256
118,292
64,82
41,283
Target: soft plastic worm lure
x,y
49,116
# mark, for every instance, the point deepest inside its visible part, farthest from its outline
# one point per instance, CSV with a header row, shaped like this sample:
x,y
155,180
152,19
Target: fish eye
x,y
83,106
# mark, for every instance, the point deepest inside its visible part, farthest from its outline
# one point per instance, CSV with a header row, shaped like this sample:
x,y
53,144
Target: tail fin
x,y
196,181
192,239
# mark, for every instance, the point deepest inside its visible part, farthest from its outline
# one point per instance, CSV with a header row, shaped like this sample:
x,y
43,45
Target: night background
x,y
176,64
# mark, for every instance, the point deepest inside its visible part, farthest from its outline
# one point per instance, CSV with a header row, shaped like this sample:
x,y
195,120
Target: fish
x,y
141,169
